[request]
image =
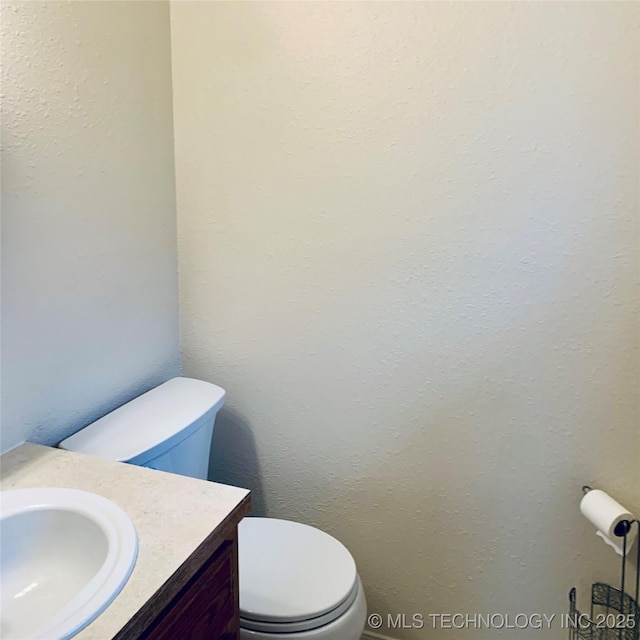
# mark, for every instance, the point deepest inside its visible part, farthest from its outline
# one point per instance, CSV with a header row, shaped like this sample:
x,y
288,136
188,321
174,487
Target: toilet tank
x,y
167,428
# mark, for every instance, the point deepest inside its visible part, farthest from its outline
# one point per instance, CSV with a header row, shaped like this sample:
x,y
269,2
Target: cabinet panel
x,y
204,609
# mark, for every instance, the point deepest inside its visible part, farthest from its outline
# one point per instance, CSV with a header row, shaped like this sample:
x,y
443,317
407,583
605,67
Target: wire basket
x,y
614,615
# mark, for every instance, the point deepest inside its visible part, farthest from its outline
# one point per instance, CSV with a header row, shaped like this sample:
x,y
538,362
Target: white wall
x,y
89,283
408,241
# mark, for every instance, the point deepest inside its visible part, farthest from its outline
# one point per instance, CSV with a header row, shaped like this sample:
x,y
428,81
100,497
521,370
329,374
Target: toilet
x,y
296,582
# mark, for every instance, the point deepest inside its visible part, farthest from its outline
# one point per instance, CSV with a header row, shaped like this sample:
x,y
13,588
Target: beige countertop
x,y
172,514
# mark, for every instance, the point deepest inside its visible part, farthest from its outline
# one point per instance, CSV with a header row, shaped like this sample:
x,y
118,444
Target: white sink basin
x,y
64,556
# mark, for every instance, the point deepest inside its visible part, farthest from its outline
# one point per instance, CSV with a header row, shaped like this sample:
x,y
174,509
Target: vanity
x,y
185,580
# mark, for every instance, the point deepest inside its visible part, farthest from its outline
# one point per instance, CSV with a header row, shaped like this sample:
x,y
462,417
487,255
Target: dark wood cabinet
x,y
200,601
204,608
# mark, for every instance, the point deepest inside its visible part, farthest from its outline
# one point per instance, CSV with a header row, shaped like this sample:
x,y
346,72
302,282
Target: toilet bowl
x,y
295,581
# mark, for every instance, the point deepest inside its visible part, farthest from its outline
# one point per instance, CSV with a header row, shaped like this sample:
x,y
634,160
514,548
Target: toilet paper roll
x,y
609,517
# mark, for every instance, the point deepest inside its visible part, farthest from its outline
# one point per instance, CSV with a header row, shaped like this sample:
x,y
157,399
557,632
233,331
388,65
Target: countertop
x,y
173,515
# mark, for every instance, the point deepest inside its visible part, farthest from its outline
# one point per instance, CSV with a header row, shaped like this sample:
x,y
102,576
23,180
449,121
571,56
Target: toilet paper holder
x,y
614,614
622,528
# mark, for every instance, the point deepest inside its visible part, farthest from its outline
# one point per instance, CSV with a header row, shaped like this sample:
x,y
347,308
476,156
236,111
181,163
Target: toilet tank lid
x,y
170,411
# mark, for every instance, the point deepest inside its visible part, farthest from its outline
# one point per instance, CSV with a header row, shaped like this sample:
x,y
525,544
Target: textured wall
x,y
89,284
408,240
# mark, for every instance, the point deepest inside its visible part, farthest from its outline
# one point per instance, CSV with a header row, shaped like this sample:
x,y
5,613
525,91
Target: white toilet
x,y
296,582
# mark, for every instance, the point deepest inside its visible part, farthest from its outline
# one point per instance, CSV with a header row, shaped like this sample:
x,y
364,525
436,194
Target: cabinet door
x,y
205,608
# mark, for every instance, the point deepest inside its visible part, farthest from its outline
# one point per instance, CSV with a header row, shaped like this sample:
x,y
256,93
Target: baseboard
x,y
370,635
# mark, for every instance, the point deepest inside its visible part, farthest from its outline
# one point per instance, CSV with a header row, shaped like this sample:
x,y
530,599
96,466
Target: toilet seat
x,y
348,626
292,577
302,625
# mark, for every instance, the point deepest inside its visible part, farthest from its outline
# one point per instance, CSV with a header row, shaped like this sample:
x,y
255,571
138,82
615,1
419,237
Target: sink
x,y
64,556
